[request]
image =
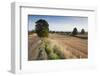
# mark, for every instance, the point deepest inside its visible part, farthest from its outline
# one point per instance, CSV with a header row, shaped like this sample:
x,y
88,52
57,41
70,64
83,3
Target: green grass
x,y
54,56
53,52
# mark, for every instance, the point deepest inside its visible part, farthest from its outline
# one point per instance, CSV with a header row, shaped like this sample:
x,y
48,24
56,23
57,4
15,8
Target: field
x,y
71,47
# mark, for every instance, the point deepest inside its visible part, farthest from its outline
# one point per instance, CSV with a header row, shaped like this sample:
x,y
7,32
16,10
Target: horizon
x,y
56,31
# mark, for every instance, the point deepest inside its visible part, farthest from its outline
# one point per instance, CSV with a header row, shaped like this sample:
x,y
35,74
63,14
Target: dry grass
x,y
69,47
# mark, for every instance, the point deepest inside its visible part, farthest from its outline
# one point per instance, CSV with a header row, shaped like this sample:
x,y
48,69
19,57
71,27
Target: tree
x,y
42,28
82,31
74,32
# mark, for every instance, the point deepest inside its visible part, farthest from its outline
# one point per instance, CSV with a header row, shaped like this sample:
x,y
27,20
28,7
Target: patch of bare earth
x,y
33,44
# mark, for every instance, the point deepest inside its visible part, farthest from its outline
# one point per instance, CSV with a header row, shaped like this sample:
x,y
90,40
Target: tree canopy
x,y
75,31
82,31
42,28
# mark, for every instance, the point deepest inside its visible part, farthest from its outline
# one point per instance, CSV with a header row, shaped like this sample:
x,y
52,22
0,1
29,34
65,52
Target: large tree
x,y
75,31
42,28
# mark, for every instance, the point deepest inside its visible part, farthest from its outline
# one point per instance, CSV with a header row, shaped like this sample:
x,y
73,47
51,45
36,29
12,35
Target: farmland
x,y
70,47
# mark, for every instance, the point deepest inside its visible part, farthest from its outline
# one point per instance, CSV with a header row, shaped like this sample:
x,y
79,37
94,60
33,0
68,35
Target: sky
x,y
59,23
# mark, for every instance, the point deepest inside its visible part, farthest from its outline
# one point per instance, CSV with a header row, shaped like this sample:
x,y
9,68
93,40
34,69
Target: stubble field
x,y
71,47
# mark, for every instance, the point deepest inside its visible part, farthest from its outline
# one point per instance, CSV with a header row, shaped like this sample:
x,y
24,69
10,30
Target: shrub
x,y
48,49
57,50
52,52
54,56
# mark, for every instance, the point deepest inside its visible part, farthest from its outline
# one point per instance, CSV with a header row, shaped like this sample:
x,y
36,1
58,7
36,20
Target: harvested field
x,y
71,47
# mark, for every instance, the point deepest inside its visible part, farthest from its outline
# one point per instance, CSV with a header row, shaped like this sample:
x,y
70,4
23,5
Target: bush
x,y
57,50
52,52
48,49
54,56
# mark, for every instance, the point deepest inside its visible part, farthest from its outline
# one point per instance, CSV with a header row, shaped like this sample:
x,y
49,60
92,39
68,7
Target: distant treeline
x,y
78,35
67,32
31,32
59,32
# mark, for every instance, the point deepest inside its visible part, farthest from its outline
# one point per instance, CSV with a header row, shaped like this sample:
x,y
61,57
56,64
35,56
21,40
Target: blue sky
x,y
59,23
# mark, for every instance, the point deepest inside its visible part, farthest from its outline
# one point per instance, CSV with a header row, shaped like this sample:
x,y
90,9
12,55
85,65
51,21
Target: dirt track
x,y
72,47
